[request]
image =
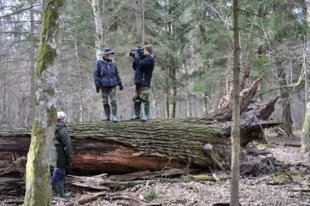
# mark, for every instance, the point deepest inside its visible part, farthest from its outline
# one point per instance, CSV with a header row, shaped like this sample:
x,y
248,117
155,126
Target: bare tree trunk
x,y
3,118
173,100
235,130
99,27
167,98
285,96
32,66
38,181
305,138
143,21
201,25
173,79
80,82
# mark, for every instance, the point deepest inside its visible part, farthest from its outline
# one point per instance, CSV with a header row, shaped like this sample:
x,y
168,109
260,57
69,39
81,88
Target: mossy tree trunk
x,y
38,183
305,138
235,130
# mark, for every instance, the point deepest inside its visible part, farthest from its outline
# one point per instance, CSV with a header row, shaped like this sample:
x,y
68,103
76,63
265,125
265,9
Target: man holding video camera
x,y
143,65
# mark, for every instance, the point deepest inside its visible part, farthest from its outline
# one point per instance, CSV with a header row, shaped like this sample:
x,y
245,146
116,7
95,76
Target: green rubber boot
x,y
62,193
107,112
114,112
137,110
146,112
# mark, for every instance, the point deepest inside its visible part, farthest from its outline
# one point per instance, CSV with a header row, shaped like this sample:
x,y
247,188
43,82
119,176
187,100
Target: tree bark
x,y
32,65
99,27
235,130
38,189
305,138
285,96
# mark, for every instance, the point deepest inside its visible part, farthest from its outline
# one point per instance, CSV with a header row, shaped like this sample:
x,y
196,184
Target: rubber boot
x,y
137,110
55,189
114,112
62,193
107,112
146,112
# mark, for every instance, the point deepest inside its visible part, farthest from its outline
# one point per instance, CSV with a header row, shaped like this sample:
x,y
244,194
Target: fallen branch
x,y
126,199
298,190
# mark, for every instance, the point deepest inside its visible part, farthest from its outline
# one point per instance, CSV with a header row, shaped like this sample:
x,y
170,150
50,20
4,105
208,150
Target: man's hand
x,y
120,87
97,89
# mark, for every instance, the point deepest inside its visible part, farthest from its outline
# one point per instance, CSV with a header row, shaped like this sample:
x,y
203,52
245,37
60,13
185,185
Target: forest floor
x,y
289,187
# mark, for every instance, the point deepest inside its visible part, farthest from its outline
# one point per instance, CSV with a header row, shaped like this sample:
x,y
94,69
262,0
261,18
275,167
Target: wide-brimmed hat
x,y
107,51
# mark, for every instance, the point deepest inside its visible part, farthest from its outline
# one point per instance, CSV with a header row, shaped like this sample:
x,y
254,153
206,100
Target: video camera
x,y
137,52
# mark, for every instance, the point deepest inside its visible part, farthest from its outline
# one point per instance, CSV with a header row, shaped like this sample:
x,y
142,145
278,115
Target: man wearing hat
x,y
106,79
143,65
64,156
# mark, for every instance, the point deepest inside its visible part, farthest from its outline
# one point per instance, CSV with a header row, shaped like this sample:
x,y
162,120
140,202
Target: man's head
x,y
148,49
108,53
61,116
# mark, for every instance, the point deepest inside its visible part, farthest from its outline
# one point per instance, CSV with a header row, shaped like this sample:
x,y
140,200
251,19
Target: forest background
x,y
192,43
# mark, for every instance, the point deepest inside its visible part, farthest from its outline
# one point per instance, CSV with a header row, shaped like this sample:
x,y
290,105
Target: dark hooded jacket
x,y
106,74
63,146
144,67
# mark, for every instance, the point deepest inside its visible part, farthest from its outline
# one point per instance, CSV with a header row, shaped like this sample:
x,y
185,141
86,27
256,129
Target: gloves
x,y
120,87
97,89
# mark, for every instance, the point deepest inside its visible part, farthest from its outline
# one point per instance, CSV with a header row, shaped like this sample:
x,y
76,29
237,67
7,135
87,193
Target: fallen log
x,y
134,146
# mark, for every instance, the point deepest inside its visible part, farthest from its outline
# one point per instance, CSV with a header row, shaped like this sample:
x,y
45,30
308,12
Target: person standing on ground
x,y
64,156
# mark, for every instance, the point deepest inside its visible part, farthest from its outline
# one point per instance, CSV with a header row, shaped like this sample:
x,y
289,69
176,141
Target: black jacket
x,y
144,67
63,146
106,74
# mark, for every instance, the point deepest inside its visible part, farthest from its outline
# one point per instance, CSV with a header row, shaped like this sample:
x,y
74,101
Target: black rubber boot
x,y
55,189
114,112
62,193
107,112
146,112
137,110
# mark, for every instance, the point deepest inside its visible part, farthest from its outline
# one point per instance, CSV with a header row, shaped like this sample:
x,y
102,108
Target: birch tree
x,y
38,183
98,24
235,130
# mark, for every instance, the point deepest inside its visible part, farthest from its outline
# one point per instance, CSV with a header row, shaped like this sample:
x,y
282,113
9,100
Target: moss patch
x,y
151,195
203,178
279,178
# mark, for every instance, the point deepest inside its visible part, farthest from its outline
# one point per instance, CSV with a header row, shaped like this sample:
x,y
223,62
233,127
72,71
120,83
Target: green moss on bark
x,y
37,171
46,57
47,54
51,116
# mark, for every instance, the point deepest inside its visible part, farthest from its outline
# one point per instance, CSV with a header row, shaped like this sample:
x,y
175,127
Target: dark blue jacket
x,y
144,67
106,74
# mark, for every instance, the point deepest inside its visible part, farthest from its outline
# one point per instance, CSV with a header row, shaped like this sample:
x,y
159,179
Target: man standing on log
x,y
106,79
64,156
143,65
